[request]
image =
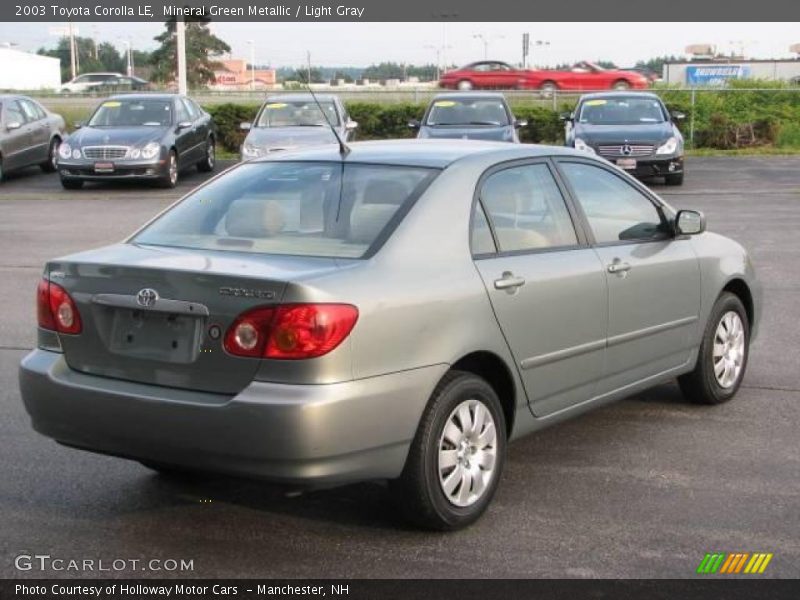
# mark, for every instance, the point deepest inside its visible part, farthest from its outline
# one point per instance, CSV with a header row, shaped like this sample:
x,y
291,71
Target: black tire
x,y
170,178
2,172
207,164
71,184
50,165
674,179
418,492
701,385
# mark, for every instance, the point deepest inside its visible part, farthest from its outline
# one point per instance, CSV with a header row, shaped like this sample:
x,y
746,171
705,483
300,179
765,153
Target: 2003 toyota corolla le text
x,y
419,304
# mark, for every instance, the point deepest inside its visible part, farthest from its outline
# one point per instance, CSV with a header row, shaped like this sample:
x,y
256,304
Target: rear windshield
x,y
468,111
323,209
298,113
621,111
125,113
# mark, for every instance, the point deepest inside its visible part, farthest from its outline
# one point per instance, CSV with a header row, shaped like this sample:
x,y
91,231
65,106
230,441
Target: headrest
x,y
254,217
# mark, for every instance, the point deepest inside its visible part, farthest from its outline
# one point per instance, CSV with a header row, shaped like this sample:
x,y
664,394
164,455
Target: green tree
x,y
202,48
91,56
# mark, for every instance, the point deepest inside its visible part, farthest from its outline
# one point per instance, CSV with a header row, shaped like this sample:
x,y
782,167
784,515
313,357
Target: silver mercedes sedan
x,y
397,312
29,134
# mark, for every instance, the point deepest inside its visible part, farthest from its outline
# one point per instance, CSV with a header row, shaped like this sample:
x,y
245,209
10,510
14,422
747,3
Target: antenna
x,y
344,150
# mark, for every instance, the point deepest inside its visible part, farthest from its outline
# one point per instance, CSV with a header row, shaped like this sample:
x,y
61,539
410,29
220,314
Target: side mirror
x,y
677,115
13,125
520,123
413,124
565,116
184,124
79,124
351,125
245,126
689,222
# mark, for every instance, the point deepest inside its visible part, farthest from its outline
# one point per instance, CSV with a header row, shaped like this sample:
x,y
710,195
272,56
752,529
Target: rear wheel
x,y
71,184
51,164
722,359
621,85
170,177
207,164
456,458
674,179
548,87
464,84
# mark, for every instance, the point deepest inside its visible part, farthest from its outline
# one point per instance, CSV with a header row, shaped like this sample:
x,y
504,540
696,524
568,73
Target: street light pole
x,y
180,31
252,64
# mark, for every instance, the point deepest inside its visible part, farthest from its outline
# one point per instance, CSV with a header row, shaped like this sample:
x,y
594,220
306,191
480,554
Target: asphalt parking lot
x,y
642,488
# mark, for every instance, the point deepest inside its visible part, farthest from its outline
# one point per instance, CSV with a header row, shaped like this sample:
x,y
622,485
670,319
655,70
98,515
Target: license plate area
x,y
103,167
158,336
626,163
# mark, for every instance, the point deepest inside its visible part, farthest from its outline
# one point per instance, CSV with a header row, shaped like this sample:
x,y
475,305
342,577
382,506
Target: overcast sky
x,y
360,44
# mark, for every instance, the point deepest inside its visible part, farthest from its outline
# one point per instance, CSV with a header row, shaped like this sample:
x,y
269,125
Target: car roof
x,y
619,94
466,95
301,97
98,73
163,96
420,153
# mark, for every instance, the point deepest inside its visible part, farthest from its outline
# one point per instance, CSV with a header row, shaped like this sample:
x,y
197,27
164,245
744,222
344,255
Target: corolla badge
x,y
146,297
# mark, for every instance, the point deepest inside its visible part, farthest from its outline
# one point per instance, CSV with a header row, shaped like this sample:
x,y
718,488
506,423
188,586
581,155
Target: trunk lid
x,y
150,314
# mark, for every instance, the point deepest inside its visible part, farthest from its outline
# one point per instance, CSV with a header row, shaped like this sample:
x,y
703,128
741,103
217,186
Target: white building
x,y
25,71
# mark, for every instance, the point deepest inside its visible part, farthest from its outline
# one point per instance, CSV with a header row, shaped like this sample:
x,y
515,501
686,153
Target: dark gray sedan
x,y
396,312
292,121
29,134
469,116
139,137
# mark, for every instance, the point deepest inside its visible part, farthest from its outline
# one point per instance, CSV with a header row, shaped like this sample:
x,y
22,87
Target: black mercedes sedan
x,y
469,116
143,136
634,130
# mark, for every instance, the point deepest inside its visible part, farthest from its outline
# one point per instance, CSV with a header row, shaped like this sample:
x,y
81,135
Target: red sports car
x,y
499,75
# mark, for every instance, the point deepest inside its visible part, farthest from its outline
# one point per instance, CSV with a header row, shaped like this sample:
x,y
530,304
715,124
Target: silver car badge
x,y
146,297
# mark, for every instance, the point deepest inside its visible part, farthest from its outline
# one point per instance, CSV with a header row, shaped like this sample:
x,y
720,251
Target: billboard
x,y
715,74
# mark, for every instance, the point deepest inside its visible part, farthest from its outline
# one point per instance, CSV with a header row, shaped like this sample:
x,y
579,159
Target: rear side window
x,y
305,209
526,209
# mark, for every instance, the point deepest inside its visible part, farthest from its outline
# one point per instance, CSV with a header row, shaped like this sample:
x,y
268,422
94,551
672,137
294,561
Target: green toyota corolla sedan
x,y
396,311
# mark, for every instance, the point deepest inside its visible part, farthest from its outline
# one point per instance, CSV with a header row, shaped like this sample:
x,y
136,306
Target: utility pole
x,y
308,67
526,47
252,64
180,32
485,39
128,57
73,63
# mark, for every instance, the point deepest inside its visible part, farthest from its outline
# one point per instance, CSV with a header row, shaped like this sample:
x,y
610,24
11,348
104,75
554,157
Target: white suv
x,y
87,82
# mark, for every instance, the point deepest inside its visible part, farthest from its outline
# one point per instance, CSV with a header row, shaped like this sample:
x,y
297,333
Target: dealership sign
x,y
715,74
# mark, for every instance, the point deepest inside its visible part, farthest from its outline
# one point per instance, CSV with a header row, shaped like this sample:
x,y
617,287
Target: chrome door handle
x,y
508,282
618,267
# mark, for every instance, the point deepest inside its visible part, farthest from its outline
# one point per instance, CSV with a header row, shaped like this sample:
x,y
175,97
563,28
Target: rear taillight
x,y
292,331
55,309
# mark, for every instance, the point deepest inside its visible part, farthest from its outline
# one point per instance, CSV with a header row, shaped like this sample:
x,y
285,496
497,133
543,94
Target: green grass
x,y
754,151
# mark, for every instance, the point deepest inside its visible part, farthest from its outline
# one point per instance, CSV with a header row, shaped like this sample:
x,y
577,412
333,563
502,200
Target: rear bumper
x,y
316,434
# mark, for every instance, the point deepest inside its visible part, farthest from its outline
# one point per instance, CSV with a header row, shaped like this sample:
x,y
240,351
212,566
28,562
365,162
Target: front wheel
x,y
456,458
209,160
722,358
170,177
464,84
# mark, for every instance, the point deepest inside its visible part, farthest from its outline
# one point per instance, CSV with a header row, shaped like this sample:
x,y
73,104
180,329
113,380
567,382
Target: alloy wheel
x,y
467,453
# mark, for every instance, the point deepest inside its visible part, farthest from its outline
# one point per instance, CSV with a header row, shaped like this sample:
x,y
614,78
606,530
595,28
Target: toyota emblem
x,y
146,297
627,150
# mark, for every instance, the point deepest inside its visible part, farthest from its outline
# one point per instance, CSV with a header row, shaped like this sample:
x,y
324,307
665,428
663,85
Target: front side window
x,y
616,211
132,113
467,111
14,113
291,208
526,209
31,114
298,113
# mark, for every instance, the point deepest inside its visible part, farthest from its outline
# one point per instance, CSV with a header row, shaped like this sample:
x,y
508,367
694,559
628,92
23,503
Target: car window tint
x,y
190,109
616,210
527,209
481,239
40,111
183,113
14,113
